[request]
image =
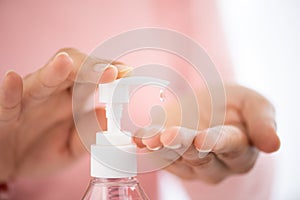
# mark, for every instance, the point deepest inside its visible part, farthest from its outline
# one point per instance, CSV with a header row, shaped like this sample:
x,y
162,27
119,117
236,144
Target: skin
x,y
28,142
26,137
249,127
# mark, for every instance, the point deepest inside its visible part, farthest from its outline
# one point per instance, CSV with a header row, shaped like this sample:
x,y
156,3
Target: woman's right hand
x,y
37,131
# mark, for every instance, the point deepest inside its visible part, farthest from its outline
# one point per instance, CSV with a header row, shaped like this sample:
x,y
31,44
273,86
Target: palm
x,y
215,151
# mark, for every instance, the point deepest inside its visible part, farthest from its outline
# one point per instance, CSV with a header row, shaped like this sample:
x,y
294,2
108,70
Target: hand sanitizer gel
x,y
113,157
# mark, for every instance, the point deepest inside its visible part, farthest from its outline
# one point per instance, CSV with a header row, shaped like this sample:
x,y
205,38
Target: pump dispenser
x,y
113,157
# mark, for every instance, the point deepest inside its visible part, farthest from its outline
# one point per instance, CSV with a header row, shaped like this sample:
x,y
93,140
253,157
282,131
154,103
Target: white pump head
x,y
113,155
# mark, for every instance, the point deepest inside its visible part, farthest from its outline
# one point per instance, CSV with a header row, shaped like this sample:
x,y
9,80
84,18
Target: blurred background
x,y
264,42
264,45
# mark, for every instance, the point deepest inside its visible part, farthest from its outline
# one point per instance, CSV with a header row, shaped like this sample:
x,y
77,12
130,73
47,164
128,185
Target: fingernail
x,y
8,72
154,148
176,146
102,67
203,153
65,54
5,76
124,70
148,132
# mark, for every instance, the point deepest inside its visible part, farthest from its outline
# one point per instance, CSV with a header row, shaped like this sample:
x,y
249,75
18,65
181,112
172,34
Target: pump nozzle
x,y
114,95
118,90
113,155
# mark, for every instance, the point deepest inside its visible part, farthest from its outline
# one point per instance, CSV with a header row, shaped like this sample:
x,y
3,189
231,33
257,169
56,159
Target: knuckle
x,y
9,115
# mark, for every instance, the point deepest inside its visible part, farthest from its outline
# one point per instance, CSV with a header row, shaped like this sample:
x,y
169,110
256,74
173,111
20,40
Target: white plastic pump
x,y
114,154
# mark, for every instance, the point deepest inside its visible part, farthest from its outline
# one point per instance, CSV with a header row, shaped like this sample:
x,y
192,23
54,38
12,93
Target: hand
x,y
37,128
249,127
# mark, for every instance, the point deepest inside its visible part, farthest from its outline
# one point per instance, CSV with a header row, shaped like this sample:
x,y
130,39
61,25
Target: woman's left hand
x,y
249,127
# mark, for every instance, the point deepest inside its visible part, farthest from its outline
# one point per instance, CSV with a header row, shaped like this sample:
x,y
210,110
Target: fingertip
x,y
64,55
12,89
152,143
63,62
209,139
12,81
109,74
259,115
170,137
265,137
124,71
138,142
57,71
12,77
137,138
199,140
270,141
275,144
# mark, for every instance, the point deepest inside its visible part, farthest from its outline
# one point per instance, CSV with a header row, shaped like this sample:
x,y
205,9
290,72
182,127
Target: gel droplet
x,y
162,95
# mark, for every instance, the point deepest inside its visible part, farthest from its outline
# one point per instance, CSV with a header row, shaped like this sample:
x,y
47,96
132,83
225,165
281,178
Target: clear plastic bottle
x,y
114,189
113,157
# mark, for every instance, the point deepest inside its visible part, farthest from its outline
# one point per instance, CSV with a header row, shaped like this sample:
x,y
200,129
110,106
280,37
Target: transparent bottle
x,y
114,189
113,156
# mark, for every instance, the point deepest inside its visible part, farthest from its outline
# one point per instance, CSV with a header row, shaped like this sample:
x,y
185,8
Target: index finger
x,y
88,69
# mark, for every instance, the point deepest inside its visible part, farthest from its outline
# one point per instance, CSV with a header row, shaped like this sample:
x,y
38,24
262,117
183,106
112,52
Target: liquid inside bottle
x,y
114,189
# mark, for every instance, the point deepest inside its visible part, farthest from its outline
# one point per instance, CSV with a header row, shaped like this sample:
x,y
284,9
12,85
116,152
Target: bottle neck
x,y
115,189
115,181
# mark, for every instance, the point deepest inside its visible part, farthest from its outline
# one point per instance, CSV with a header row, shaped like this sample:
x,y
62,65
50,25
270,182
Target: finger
x,y
208,169
104,73
176,137
90,69
180,140
261,125
259,116
148,137
232,147
109,74
101,73
151,138
138,138
86,69
44,82
11,92
123,70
